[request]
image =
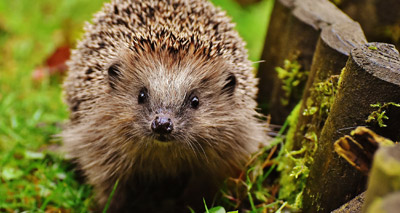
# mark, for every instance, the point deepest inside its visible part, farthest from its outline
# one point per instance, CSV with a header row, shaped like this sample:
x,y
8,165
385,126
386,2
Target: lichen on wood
x,y
293,34
368,77
330,57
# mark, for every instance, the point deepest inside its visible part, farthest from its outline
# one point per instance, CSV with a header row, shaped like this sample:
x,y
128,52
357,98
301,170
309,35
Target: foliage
x,y
291,76
32,176
256,189
292,181
379,115
322,97
295,163
251,22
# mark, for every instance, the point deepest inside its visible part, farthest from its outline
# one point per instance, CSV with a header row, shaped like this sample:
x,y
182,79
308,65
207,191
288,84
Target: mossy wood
x,y
332,51
293,32
372,75
385,175
380,19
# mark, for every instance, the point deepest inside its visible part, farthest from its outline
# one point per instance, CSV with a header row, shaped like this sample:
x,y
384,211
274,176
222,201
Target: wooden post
x,y
292,35
272,53
331,54
333,49
385,174
354,205
372,75
380,19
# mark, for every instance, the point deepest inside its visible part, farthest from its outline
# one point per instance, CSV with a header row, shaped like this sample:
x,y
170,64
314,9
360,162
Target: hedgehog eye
x,y
194,102
113,75
230,84
142,97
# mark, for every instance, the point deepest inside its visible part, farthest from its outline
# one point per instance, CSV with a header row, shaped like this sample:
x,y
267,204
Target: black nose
x,y
162,125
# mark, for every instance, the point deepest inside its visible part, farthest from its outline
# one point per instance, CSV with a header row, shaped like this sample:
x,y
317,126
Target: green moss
x,y
289,181
294,165
322,97
379,115
372,48
291,76
340,78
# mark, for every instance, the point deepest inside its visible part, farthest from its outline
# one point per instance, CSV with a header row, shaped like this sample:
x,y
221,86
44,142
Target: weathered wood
x,y
332,51
359,148
272,52
353,206
380,19
385,175
371,75
293,32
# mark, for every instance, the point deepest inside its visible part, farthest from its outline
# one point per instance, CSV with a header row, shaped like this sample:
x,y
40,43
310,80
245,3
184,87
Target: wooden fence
x,y
318,59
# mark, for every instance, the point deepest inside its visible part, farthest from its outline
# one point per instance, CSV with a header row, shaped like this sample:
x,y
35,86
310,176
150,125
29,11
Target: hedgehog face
x,y
175,99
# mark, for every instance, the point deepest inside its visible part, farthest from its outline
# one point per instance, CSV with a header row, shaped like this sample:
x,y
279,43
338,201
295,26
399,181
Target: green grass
x,y
32,175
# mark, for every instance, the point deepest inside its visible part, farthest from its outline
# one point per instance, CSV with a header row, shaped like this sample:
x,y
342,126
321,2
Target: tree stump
x,y
293,32
371,76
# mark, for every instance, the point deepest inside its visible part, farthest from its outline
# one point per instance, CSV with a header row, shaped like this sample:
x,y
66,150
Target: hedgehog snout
x,y
162,124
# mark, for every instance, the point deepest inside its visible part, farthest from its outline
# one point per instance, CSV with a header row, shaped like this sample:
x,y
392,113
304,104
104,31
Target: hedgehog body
x,y
158,91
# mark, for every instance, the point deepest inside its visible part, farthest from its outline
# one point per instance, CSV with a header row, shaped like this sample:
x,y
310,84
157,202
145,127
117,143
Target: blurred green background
x,y
33,177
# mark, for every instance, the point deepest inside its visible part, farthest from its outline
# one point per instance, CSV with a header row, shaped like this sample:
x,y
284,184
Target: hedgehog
x,y
161,97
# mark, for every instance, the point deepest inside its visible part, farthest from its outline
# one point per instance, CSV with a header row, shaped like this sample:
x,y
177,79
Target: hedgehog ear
x,y
114,75
230,84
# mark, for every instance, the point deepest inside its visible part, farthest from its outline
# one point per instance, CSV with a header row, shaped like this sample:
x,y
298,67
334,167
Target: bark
x,y
332,51
293,32
372,75
354,205
359,148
